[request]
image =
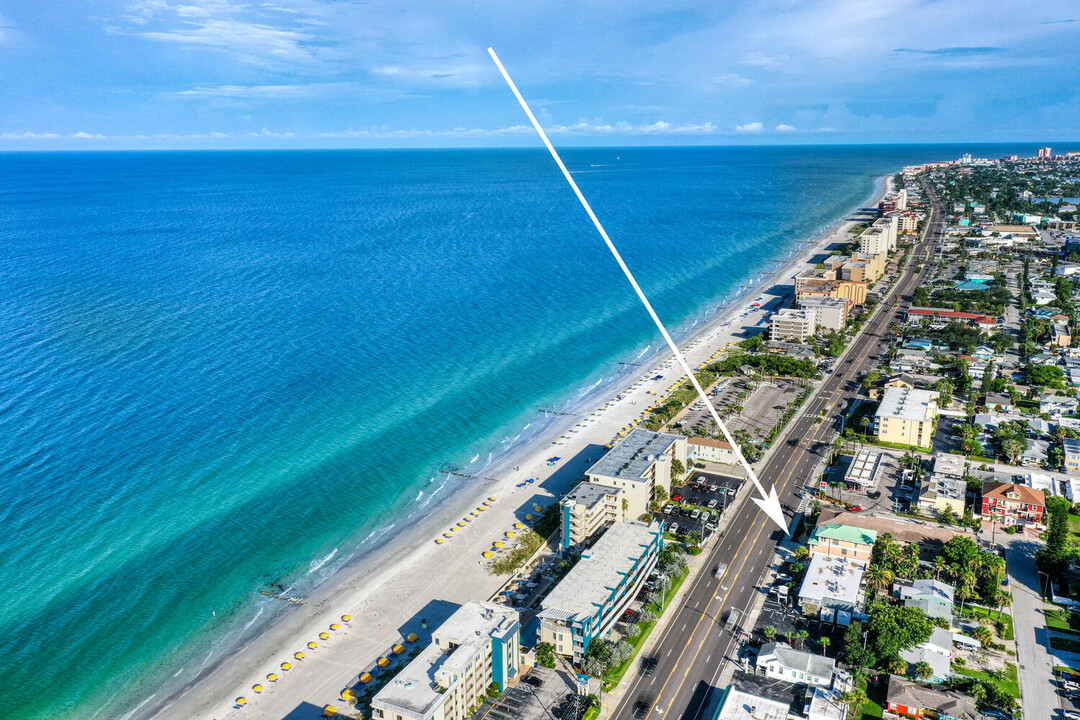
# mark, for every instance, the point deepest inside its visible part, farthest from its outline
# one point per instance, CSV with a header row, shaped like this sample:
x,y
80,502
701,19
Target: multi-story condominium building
x,y
587,510
908,223
843,541
874,264
823,283
476,646
939,318
711,450
591,598
1012,504
906,416
793,325
1072,454
638,465
780,661
829,313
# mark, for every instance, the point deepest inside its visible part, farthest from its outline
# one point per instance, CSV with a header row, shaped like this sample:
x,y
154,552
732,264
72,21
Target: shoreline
x,y
387,592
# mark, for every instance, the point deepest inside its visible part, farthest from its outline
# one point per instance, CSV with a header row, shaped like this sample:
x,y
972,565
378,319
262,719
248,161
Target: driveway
x,y
1040,698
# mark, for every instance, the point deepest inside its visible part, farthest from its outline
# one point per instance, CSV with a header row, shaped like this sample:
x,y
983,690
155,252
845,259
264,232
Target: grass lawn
x,y
1074,528
592,713
1060,643
873,708
1010,683
1065,620
615,674
1006,618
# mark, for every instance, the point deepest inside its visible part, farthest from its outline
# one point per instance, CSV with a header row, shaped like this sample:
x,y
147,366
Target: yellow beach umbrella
x,y
412,637
347,694
334,626
461,524
312,645
272,677
286,666
324,635
510,533
383,662
299,655
474,514
257,687
346,618
398,649
467,519
482,508
528,517
518,525
241,701
492,498
453,530
439,541
365,678
498,543
488,553
537,508
329,711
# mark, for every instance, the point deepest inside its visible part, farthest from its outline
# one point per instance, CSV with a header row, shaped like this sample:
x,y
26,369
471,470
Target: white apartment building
x,y
794,325
476,646
638,465
829,313
586,510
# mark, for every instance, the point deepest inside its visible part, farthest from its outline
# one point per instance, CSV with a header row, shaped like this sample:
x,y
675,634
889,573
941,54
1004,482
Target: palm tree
x,y
966,584
769,632
923,671
1003,600
799,637
825,641
878,578
898,666
854,699
939,567
982,634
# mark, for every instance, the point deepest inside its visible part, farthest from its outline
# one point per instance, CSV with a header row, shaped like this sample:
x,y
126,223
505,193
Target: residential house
x,y
1012,504
940,317
904,697
940,493
997,401
1057,404
780,661
936,652
1072,454
934,597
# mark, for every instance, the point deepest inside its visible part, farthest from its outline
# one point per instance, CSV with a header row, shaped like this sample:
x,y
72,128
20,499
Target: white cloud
x,y
732,80
87,136
754,127
28,136
782,128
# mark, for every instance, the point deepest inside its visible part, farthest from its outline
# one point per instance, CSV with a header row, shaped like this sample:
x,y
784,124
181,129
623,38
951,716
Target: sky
x,y
153,74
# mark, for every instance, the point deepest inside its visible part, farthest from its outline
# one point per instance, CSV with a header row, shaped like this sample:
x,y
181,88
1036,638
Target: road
x,y
691,652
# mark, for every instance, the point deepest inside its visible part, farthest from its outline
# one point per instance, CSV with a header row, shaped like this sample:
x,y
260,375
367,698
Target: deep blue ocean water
x,y
221,372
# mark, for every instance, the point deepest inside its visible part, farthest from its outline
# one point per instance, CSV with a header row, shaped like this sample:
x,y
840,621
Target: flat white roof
x,y
864,467
739,705
834,578
907,404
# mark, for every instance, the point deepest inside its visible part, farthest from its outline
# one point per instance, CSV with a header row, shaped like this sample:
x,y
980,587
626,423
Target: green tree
x,y
923,670
1053,558
894,628
545,654
769,632
825,641
858,654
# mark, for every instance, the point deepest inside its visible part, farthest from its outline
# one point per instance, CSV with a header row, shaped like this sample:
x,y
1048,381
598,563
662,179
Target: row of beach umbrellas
x,y
465,521
511,534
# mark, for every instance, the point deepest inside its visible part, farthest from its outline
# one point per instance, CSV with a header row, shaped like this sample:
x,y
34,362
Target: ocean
x,y
228,372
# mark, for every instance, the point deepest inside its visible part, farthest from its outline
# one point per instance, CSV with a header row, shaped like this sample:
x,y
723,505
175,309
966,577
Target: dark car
x,y
533,680
648,666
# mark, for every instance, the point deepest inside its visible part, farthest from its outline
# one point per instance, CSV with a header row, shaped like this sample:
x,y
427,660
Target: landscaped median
x,y
615,674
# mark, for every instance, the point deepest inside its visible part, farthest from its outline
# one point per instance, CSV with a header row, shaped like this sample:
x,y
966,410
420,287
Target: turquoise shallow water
x,y
228,372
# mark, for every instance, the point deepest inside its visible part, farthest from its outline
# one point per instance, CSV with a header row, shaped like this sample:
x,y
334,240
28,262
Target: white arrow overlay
x,y
768,501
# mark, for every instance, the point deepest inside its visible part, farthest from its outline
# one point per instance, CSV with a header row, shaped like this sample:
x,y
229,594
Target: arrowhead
x,y
771,506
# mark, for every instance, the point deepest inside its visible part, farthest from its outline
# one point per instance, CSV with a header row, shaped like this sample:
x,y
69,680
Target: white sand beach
x,y
387,593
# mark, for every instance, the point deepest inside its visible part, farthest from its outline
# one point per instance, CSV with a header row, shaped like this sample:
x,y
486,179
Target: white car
x,y
674,529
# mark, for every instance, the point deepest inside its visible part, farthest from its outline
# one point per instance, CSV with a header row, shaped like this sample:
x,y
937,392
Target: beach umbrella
x,y
272,677
299,655
492,498
474,513
448,535
257,687
461,524
528,517
365,678
347,694
241,701
482,508
334,626
488,553
412,637
346,618
510,533
518,525
537,508
384,661
439,541
324,635
286,666
312,645
498,543
398,649
329,711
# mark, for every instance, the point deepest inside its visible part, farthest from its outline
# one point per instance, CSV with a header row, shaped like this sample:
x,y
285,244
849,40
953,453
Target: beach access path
x,y
387,593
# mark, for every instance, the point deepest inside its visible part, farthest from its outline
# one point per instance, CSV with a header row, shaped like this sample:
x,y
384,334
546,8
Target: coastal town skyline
x,y
211,74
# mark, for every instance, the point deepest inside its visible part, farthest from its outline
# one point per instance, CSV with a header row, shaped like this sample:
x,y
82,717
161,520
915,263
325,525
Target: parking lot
x,y
787,620
699,503
542,694
756,413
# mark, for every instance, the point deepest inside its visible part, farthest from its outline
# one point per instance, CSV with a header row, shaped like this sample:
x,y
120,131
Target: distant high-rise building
x,y
1044,152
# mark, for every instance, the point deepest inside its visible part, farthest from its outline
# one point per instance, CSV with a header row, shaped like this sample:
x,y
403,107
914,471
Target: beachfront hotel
x,y
638,465
589,600
478,645
587,510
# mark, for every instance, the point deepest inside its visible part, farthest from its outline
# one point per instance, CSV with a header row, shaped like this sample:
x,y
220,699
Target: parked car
x,y
713,488
676,498
854,508
532,680
783,577
705,516
667,509
674,529
712,503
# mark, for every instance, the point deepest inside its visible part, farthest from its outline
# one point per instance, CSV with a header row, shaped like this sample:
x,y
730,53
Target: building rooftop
x,y
709,442
903,529
916,696
738,705
864,467
415,688
792,314
939,486
1071,445
589,494
601,568
999,491
831,582
799,660
816,302
632,458
843,533
907,404
949,464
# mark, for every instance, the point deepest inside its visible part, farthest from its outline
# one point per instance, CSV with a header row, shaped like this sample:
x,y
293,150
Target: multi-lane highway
x,y
691,654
